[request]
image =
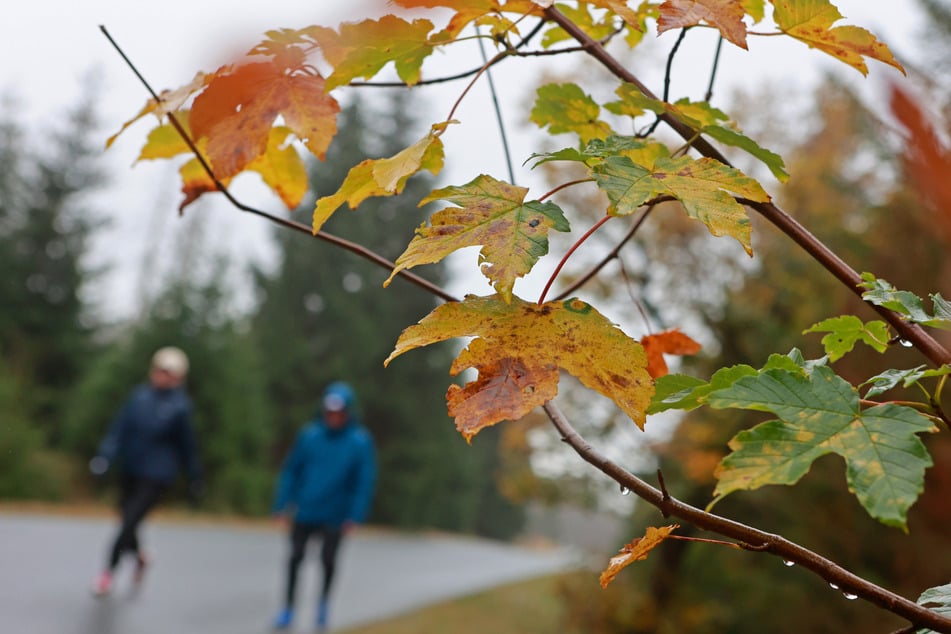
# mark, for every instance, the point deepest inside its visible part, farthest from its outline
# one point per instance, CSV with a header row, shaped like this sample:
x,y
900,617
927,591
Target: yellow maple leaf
x,y
518,348
383,177
811,21
637,550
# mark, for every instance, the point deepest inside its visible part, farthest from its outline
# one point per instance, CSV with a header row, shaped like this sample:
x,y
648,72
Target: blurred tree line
x,y
319,315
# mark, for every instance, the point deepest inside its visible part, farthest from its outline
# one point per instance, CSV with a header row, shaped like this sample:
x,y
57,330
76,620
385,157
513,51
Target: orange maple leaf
x,y
725,15
927,161
668,342
237,109
637,550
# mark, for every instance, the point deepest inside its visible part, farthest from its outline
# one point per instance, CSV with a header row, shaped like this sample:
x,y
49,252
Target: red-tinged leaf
x,y
505,385
383,177
667,342
493,214
169,101
725,15
927,160
361,49
811,21
637,550
519,344
281,168
237,109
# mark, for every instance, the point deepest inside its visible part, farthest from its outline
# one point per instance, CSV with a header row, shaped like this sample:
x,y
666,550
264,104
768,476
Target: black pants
x,y
331,537
137,496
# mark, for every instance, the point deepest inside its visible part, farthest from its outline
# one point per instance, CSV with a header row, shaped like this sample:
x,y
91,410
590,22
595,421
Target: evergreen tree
x,y
44,232
324,316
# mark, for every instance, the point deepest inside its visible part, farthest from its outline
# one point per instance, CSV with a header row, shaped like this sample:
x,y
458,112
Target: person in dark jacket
x,y
149,441
325,489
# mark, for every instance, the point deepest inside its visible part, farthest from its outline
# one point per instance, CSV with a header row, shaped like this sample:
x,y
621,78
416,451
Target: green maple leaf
x,y
597,27
566,108
491,213
705,187
888,379
361,49
683,392
703,118
906,303
846,330
820,413
811,21
518,349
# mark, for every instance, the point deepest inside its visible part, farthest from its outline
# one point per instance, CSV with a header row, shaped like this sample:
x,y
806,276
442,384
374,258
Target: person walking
x,y
324,489
149,441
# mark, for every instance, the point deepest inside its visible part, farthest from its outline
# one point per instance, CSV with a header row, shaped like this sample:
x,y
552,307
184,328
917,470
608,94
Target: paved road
x,y
211,580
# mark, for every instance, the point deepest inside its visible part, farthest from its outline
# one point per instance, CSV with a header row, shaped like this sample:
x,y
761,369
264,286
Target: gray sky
x,y
48,46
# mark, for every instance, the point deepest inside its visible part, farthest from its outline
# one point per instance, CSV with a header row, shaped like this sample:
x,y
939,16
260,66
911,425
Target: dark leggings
x,y
300,534
137,497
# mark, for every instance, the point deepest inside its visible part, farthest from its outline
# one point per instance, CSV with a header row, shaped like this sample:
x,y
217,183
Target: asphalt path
x,y
211,579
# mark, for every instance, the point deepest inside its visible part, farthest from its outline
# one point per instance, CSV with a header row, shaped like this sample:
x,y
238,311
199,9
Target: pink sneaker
x,y
103,584
141,563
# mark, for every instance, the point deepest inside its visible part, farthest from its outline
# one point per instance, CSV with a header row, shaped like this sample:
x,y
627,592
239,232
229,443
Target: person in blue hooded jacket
x,y
325,488
149,441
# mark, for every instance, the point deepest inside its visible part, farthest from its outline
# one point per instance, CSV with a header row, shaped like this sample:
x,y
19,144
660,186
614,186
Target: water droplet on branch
x,y
850,596
833,586
625,490
905,343
788,564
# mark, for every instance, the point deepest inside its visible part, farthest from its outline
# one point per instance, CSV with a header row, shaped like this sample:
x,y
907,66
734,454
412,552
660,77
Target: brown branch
x,y
353,247
760,540
926,344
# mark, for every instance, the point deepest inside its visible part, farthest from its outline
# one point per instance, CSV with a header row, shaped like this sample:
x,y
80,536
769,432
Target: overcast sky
x,y
48,46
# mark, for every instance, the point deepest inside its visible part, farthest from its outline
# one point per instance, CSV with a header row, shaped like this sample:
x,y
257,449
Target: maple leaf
x,y
820,413
888,379
927,161
383,177
598,27
566,108
361,49
725,15
668,342
168,101
811,21
700,116
881,293
237,109
517,349
845,330
705,187
492,214
280,166
637,550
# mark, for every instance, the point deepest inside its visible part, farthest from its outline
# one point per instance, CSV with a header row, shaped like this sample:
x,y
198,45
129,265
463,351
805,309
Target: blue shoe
x,y
322,615
283,619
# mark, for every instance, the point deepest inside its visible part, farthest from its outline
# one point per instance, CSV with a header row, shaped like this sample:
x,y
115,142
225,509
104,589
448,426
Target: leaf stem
x,y
574,247
564,186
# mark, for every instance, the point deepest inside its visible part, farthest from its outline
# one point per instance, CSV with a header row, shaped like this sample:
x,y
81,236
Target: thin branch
x,y
290,224
926,344
754,538
713,71
667,70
